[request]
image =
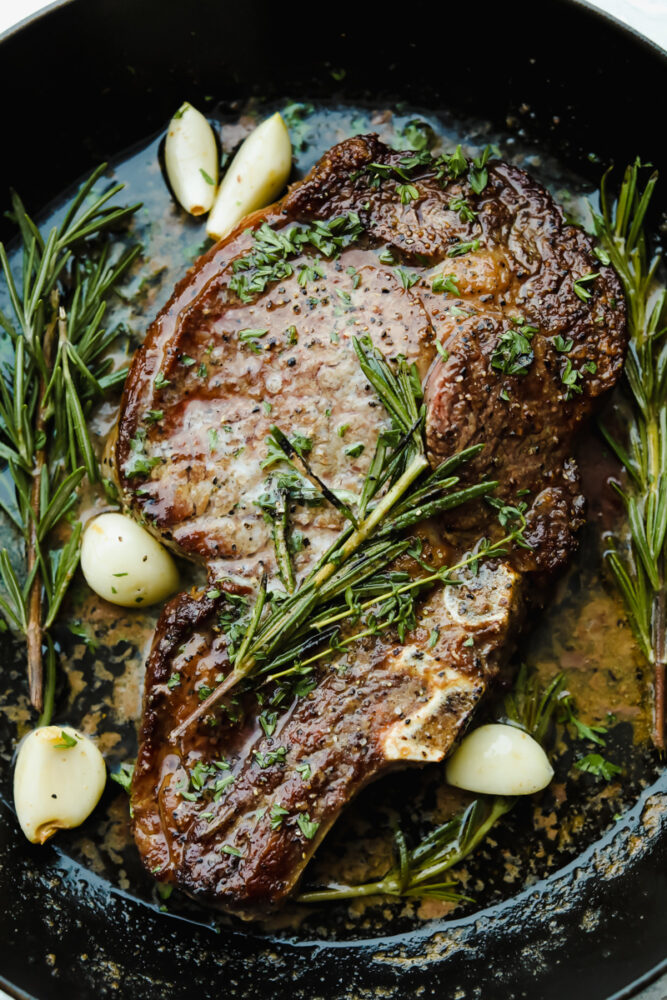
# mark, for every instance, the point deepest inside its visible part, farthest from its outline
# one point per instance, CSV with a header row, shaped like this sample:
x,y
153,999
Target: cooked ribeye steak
x,y
531,331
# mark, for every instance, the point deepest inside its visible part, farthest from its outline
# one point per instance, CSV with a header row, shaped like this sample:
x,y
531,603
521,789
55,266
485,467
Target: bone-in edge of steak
x,y
387,703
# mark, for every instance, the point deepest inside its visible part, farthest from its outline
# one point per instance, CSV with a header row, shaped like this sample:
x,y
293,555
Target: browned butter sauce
x,y
582,632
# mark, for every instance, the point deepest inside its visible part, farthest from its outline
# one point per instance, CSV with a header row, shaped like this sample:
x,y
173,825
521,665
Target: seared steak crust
x,y
525,354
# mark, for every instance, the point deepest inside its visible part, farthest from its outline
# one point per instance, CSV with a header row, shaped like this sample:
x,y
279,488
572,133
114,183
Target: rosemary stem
x,y
370,523
658,627
34,632
418,581
500,806
391,884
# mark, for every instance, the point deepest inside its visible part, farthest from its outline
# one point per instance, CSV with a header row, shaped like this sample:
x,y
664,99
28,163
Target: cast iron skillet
x,y
85,81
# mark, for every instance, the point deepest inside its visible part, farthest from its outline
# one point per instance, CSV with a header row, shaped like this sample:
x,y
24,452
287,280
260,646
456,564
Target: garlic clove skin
x,y
254,178
499,760
124,564
58,780
191,160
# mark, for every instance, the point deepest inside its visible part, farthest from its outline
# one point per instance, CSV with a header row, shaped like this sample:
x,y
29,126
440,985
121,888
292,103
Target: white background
x,y
647,16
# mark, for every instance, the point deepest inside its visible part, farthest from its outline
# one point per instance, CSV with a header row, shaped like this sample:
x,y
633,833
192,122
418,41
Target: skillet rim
x,y
623,31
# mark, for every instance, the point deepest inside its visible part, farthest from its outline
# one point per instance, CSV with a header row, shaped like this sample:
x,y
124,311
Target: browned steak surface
x,y
226,807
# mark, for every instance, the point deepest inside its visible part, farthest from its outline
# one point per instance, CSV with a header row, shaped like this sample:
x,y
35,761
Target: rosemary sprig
x,y
640,442
56,368
418,873
368,544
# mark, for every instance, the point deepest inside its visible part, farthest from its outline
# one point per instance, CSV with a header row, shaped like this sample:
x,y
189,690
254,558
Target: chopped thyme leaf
x,y
203,692
594,763
466,213
579,285
408,278
344,296
354,450
277,815
562,345
160,382
268,722
469,641
250,336
460,249
387,256
213,593
407,193
138,463
269,260
198,775
174,680
186,360
123,776
504,395
602,256
433,637
266,406
229,849
307,826
291,335
442,351
454,164
202,371
478,176
445,283
301,443
310,272
212,439
67,741
304,770
276,756
572,377
419,135
221,785
154,416
513,354
354,274
182,789
341,430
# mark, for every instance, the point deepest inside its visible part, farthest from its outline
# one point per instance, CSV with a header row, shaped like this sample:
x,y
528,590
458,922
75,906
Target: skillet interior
x,y
570,82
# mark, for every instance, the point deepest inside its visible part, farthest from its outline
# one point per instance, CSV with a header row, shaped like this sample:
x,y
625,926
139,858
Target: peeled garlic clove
x,y
254,178
124,564
58,780
191,159
499,760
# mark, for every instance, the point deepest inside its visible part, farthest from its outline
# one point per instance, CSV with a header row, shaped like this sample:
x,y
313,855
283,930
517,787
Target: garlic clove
x,y
124,564
254,178
499,760
58,780
191,160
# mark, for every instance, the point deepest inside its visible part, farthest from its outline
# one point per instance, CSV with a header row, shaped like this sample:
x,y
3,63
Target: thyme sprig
x,y
418,872
55,367
398,492
640,441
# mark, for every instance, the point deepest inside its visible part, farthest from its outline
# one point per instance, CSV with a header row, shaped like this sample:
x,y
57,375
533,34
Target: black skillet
x,y
85,81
